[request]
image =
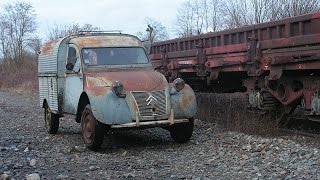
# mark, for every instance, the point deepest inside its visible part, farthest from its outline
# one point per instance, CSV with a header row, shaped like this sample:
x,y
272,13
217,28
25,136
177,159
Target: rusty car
x,y
105,81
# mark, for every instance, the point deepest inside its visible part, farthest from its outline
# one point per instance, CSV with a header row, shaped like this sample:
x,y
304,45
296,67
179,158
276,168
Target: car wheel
x,y
51,121
92,130
182,132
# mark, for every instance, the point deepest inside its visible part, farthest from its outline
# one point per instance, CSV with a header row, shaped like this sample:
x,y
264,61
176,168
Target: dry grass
x,y
20,77
229,112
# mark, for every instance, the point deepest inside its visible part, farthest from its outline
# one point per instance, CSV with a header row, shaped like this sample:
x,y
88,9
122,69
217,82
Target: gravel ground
x,y
28,152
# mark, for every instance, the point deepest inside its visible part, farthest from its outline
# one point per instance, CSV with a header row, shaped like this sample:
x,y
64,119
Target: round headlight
x,y
117,88
179,84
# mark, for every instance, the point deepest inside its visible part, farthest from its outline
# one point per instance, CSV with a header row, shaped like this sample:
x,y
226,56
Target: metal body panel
x,y
47,69
110,109
48,58
48,91
183,103
72,84
112,40
72,91
62,57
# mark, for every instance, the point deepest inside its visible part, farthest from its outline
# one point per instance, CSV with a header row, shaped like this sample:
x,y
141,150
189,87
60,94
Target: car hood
x,y
132,80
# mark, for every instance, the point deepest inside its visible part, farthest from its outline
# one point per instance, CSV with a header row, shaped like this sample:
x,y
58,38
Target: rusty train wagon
x,y
106,81
276,63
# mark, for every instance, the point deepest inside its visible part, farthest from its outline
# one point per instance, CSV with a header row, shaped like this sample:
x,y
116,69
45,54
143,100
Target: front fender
x,y
183,103
109,109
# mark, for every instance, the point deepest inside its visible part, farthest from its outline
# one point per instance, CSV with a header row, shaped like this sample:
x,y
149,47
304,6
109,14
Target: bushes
x,y
19,76
229,112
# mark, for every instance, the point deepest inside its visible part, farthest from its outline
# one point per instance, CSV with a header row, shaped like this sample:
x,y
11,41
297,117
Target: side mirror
x,y
75,68
69,66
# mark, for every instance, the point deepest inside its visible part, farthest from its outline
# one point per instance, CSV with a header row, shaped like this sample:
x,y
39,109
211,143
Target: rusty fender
x,y
183,103
108,108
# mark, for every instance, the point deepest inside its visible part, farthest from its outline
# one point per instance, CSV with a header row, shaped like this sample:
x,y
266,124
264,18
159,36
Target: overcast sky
x,y
126,15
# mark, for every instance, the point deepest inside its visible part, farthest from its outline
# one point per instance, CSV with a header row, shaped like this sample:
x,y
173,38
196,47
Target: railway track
x,y
296,124
302,126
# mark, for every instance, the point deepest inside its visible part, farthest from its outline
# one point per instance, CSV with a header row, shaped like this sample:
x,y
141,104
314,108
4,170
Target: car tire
x,y
51,121
182,132
92,131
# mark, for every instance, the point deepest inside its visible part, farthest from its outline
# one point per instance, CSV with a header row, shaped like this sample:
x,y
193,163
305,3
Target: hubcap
x,y
88,128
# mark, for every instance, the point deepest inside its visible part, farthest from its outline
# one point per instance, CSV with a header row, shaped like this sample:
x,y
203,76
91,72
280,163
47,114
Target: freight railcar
x,y
276,63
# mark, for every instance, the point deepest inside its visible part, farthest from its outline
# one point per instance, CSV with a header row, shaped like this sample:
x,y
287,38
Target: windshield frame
x,y
147,63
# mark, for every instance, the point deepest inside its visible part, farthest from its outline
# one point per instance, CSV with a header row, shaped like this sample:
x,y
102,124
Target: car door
x,y
74,80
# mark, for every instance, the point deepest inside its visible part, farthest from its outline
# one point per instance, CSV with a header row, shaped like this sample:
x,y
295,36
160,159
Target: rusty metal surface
x,y
110,109
184,103
95,82
48,57
115,40
281,57
132,80
48,73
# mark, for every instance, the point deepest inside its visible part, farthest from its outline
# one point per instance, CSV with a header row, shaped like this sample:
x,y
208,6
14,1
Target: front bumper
x,y
162,123
157,123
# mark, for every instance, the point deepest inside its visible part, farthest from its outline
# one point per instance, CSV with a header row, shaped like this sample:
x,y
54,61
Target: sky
x,y
125,15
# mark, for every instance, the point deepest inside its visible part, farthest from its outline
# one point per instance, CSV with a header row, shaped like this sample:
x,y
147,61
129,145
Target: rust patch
x,y
131,80
106,41
95,86
46,48
186,101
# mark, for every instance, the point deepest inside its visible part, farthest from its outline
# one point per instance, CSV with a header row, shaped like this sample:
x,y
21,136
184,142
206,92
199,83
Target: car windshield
x,y
114,56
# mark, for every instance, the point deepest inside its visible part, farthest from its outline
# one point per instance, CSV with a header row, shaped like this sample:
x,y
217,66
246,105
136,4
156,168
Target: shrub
x,y
19,76
229,112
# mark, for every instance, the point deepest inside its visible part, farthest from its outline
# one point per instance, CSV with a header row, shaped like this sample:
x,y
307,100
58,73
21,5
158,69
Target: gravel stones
x,y
4,177
33,176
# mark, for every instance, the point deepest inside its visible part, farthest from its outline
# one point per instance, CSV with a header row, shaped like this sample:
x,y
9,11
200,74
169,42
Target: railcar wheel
x,y
267,101
51,121
92,130
182,132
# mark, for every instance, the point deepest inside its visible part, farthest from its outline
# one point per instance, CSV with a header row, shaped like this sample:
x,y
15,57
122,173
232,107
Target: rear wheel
x,y
51,121
182,132
92,130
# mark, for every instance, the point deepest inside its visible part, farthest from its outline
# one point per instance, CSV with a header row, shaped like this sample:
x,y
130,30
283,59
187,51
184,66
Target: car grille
x,y
151,104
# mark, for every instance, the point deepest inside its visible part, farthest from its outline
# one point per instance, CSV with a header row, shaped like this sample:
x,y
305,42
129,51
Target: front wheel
x,y
92,130
51,121
182,132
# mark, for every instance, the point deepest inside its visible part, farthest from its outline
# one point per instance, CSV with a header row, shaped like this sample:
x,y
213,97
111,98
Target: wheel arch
x,y
45,103
83,101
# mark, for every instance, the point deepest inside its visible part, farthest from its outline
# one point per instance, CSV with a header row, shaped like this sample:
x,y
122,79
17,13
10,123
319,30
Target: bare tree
x,y
4,38
290,8
17,25
245,12
184,26
213,18
58,30
34,45
235,13
199,7
155,31
197,17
